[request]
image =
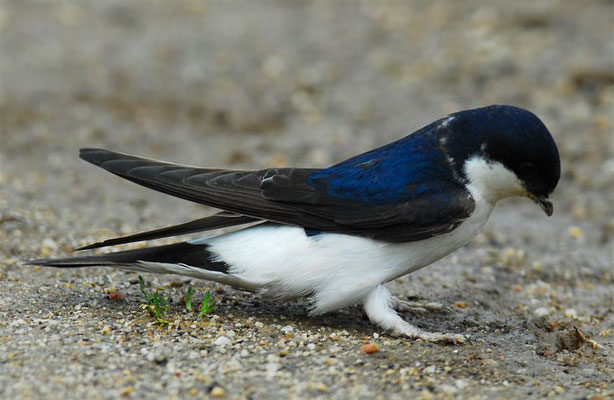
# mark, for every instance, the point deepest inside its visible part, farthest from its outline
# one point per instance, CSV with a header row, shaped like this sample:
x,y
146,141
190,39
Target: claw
x,y
407,329
417,307
437,337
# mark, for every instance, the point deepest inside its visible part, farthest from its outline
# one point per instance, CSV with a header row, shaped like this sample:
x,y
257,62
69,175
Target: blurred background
x,y
274,83
255,84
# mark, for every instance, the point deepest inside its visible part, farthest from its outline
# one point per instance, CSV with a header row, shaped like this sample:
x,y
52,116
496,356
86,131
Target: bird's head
x,y
503,151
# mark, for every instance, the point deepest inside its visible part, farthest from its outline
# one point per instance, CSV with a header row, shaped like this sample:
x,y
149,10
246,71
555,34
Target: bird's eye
x,y
527,170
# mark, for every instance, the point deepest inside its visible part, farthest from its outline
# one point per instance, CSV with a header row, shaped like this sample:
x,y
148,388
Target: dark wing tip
x,y
91,246
99,156
219,220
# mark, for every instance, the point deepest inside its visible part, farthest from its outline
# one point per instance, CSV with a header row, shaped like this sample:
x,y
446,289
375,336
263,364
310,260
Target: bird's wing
x,y
236,191
361,201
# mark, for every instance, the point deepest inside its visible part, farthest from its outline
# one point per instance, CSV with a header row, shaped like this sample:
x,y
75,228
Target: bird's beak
x,y
545,203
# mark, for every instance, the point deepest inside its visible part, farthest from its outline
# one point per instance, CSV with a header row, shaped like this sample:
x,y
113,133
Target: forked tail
x,y
195,260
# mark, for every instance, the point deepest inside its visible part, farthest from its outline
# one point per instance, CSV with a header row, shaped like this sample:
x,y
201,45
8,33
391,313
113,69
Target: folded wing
x,y
326,200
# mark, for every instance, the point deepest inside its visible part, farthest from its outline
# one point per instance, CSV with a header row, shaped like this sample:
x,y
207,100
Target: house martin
x,y
337,235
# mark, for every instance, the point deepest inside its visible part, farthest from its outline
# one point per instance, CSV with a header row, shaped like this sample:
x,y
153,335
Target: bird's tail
x,y
184,258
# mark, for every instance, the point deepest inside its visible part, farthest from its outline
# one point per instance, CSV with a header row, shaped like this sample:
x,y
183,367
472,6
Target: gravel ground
x,y
240,84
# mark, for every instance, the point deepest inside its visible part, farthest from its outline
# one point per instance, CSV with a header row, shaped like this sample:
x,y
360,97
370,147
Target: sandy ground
x,y
240,84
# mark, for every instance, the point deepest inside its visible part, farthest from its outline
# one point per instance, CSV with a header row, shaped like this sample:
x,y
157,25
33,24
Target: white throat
x,y
491,180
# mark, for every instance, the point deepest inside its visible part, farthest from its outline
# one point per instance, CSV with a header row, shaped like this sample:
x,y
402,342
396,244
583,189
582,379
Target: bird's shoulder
x,y
411,167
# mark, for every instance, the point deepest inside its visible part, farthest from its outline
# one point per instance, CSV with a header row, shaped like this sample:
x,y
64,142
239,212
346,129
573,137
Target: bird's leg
x,y
416,306
377,305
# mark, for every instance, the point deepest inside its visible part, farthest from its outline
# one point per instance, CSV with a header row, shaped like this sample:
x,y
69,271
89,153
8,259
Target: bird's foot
x,y
378,306
417,307
413,332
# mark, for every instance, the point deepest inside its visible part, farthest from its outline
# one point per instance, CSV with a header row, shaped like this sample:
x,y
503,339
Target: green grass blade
x,y
156,301
142,286
205,308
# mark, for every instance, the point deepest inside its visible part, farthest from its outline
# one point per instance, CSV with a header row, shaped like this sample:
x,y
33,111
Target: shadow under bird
x,y
337,235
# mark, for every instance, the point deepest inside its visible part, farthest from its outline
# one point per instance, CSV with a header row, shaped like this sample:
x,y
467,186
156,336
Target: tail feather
x,y
194,255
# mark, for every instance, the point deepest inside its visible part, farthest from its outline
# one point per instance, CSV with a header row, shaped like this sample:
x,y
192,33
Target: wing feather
x,y
307,197
216,221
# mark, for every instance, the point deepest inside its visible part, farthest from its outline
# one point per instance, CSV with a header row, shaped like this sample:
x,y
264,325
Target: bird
x,y
337,235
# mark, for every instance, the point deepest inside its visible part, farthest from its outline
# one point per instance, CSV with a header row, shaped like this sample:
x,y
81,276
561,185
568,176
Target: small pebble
x,y
50,243
571,313
221,341
541,312
369,348
576,233
218,392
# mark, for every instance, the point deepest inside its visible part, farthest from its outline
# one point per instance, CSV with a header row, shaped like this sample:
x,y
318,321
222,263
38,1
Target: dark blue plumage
x,y
406,169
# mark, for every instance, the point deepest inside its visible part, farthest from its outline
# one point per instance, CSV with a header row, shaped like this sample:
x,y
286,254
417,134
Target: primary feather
x,y
216,221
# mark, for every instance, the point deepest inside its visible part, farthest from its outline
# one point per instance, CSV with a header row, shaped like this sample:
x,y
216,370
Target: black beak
x,y
546,205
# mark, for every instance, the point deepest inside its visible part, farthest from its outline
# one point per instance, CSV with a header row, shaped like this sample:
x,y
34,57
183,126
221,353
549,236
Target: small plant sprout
x,y
188,299
156,303
207,306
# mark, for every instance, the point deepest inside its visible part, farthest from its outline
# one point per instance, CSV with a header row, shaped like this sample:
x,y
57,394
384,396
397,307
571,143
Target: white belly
x,y
337,270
